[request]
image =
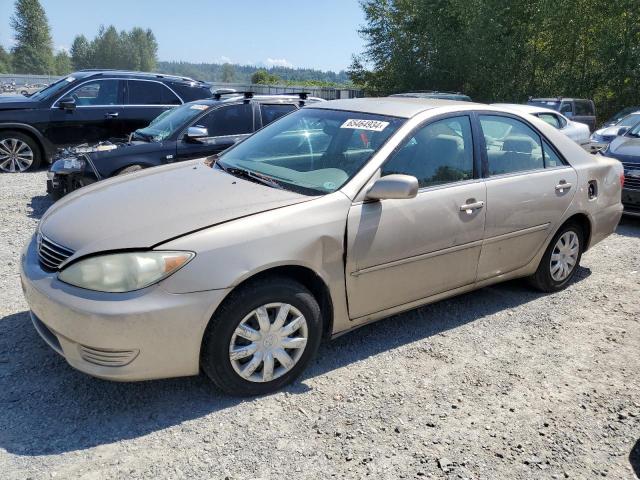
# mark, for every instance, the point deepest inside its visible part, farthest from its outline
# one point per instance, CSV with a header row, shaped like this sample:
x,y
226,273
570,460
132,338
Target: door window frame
x,y
474,148
121,94
211,111
543,139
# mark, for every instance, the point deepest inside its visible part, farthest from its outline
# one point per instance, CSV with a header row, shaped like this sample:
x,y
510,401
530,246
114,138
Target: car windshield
x,y
552,104
311,151
622,114
635,131
629,120
52,89
167,122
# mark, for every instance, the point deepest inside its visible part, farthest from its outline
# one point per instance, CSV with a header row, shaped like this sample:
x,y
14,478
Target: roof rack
x,y
246,95
435,92
301,95
135,72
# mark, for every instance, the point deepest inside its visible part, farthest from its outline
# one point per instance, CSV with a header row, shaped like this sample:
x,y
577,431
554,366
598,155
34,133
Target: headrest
x,y
520,144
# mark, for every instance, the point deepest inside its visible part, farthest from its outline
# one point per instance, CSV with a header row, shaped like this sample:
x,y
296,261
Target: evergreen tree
x,y
33,52
5,61
63,63
81,53
228,73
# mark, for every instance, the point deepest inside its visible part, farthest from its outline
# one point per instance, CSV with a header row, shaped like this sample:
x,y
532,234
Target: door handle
x,y
470,207
111,115
562,185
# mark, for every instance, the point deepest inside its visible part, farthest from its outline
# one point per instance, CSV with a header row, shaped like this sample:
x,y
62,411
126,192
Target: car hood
x,y
626,149
144,209
16,103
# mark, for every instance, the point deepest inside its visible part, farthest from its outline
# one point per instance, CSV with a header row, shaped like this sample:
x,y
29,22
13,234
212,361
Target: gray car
x,y
332,217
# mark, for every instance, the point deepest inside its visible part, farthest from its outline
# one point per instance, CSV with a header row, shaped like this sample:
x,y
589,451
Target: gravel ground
x,y
502,383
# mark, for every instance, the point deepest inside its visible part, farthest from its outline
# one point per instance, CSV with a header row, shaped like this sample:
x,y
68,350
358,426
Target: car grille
x,y
107,358
631,183
50,254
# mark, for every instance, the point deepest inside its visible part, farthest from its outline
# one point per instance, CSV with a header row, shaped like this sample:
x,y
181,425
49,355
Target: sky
x,y
299,33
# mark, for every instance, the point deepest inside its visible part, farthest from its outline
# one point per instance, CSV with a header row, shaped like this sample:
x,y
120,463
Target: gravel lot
x,y
502,383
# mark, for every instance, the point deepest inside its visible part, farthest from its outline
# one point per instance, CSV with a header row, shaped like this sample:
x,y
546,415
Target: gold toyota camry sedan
x,y
336,215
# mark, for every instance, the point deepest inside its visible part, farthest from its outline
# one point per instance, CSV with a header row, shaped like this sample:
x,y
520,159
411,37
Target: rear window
x,y
552,104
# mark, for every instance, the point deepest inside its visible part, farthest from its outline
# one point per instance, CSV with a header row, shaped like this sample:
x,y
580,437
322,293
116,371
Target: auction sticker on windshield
x,y
373,125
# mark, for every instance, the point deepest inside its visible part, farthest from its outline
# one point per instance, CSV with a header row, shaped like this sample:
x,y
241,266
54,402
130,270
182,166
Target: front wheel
x,y
561,260
262,337
18,152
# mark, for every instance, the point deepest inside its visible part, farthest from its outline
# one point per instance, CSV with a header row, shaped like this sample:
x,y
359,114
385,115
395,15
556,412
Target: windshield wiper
x,y
251,176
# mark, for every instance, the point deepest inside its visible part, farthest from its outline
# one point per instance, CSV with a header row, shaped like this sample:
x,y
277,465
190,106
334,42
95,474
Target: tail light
x,y
622,180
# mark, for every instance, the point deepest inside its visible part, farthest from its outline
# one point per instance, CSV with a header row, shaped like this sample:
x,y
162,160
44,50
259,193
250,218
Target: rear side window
x,y
438,153
150,93
511,145
229,120
584,108
272,112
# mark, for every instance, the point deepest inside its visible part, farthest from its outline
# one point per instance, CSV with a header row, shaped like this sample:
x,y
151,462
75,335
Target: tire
x,y
215,358
130,169
544,279
26,150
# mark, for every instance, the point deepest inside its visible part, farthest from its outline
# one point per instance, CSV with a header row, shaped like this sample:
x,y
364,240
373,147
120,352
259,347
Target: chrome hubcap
x,y
564,256
268,342
15,155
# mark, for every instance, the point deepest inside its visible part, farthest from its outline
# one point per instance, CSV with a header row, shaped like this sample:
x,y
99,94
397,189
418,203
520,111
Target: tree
x,y
81,53
33,52
5,61
228,73
63,63
265,78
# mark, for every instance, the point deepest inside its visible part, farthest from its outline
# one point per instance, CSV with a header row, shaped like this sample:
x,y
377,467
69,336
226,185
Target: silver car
x,y
332,217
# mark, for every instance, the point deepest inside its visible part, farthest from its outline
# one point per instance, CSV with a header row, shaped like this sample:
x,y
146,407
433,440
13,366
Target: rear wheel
x,y
262,337
18,152
561,260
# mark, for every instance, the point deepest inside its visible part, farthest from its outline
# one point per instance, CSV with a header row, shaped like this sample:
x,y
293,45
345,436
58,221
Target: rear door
x,y
226,125
585,113
97,116
145,100
401,251
529,188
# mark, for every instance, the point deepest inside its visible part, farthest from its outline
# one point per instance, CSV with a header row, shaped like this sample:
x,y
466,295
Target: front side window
x,y
441,152
150,93
273,112
583,108
229,120
511,145
96,93
312,151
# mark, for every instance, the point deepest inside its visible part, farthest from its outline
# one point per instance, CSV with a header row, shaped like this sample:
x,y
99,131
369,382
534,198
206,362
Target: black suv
x,y
193,130
86,106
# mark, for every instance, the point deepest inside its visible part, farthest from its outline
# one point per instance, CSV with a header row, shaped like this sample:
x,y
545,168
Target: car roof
x,y
556,99
135,74
525,108
288,99
405,107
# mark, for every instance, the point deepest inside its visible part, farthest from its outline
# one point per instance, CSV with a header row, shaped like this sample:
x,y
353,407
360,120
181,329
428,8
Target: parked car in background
x,y
193,130
626,149
319,223
577,109
576,131
86,106
434,94
620,115
600,138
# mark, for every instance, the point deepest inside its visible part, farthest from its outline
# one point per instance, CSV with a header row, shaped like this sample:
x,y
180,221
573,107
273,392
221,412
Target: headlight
x,y
124,272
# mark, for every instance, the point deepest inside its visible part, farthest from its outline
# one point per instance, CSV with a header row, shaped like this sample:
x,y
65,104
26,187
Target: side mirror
x,y
622,131
195,133
395,186
67,103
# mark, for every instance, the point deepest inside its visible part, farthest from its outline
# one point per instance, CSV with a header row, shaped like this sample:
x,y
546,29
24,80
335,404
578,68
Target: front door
x,y
97,115
225,125
402,251
529,188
